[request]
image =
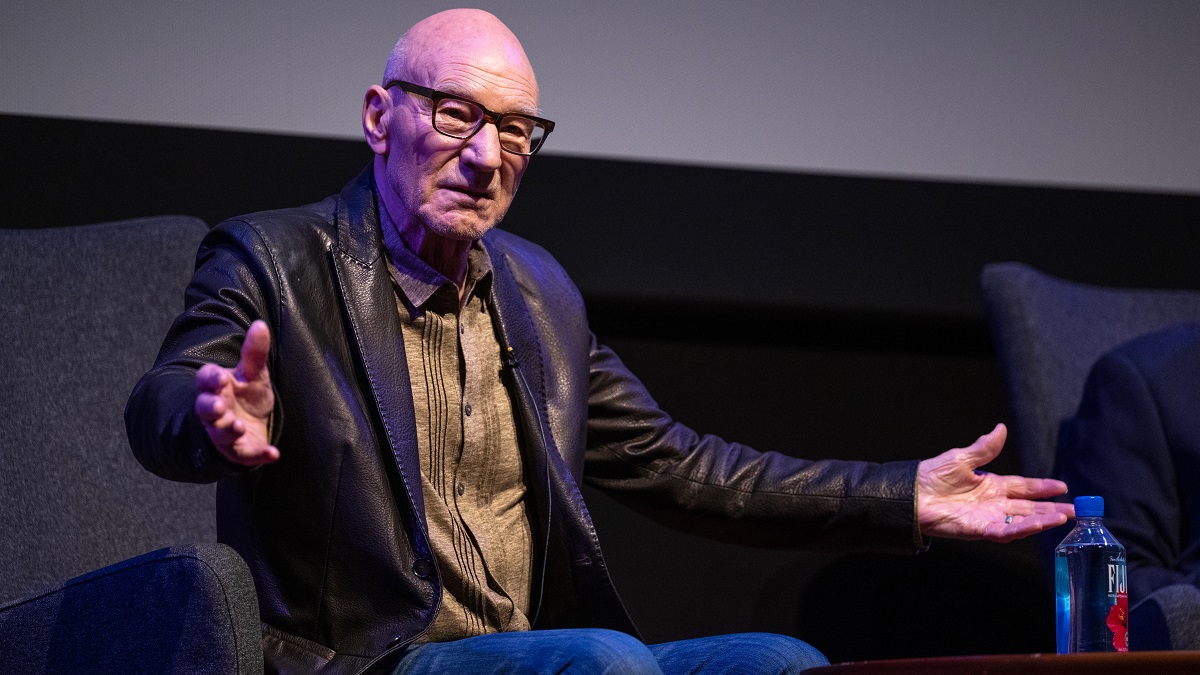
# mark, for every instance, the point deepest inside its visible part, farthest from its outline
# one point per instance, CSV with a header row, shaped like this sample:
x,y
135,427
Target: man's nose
x,y
482,151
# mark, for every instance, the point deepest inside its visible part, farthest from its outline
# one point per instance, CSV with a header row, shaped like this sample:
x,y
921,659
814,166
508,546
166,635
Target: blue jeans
x,y
594,650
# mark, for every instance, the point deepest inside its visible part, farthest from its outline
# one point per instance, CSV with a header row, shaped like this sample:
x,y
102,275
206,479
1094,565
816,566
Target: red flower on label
x,y
1118,622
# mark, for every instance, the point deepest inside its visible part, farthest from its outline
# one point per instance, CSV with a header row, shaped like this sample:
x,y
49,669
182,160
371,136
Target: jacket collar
x,y
358,232
374,327
360,239
363,281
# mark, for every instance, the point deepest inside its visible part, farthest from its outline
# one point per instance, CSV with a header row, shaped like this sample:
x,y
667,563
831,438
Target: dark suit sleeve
x,y
728,491
228,291
1117,447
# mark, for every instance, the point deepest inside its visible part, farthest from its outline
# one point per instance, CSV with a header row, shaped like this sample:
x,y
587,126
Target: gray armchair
x,y
82,313
1048,334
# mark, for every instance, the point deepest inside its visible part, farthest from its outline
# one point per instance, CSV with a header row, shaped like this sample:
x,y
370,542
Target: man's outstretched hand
x,y
956,502
235,404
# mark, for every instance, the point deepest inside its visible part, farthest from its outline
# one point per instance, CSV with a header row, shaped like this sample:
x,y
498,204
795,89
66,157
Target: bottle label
x,y
1118,614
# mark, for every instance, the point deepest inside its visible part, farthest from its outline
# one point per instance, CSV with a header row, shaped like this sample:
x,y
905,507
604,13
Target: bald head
x,y
457,38
434,185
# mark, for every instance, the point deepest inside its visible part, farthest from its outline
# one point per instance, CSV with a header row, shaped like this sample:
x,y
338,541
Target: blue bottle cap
x,y
1089,507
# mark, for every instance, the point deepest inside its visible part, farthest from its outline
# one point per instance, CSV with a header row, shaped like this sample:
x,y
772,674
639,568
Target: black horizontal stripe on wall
x,y
814,260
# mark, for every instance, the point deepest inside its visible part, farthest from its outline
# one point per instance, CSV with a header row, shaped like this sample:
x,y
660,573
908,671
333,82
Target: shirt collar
x,y
417,281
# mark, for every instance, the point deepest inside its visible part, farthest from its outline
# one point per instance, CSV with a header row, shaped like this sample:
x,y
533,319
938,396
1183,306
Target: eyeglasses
x,y
457,117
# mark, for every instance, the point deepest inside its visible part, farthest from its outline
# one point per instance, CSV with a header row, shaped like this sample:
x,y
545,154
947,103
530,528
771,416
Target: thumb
x,y
255,350
987,448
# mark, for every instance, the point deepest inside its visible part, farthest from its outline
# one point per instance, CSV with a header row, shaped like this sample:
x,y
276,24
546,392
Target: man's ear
x,y
377,107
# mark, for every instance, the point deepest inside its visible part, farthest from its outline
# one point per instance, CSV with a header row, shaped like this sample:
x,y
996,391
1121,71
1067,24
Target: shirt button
x,y
461,489
468,410
422,568
462,330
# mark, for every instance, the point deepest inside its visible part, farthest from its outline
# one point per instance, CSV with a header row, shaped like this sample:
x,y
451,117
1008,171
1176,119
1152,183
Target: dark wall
x,y
817,315
835,248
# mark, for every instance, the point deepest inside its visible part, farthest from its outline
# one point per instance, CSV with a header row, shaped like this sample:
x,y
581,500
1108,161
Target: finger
x,y
1018,487
987,447
1024,526
211,377
1066,509
256,348
1023,507
209,407
255,455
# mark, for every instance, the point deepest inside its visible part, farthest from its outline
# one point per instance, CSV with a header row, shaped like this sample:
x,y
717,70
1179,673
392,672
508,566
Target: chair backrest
x,y
1050,332
83,311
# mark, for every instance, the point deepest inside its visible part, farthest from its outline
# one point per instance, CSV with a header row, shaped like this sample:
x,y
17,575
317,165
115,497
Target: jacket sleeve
x,y
731,492
229,290
1116,447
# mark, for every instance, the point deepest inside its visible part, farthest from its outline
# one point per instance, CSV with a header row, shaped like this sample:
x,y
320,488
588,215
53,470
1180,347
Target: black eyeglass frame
x,y
488,116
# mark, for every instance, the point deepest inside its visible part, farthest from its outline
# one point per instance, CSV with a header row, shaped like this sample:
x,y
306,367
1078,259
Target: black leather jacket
x,y
334,532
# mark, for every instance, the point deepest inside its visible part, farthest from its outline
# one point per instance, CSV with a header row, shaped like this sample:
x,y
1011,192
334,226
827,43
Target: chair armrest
x,y
1169,619
184,609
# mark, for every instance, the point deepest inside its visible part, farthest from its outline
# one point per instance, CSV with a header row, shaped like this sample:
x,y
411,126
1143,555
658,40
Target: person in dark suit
x,y
1135,441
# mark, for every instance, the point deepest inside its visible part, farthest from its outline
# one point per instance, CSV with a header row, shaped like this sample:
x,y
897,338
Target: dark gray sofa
x,y
104,568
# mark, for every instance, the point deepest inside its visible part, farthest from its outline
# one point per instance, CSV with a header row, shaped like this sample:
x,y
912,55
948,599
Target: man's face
x,y
459,189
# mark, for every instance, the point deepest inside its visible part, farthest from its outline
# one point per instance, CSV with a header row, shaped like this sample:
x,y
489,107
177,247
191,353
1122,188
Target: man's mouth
x,y
473,193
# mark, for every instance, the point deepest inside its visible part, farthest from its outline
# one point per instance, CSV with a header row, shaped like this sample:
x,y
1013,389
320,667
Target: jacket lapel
x,y
518,336
560,507
525,372
361,271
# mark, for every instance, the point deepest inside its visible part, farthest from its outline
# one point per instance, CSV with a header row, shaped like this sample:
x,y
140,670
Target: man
x,y
1136,442
400,401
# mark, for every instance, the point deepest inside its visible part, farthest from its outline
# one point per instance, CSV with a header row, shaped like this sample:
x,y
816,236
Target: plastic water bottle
x,y
1090,585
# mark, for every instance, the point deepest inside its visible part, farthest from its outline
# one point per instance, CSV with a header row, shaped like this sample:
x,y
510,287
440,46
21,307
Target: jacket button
x,y
422,568
395,641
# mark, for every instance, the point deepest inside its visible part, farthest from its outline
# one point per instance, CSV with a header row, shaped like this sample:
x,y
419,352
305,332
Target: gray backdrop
x,y
1074,92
